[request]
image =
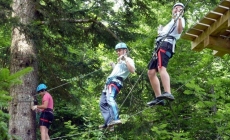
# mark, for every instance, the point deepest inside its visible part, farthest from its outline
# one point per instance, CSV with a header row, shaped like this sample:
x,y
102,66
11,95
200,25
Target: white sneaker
x,y
114,122
111,128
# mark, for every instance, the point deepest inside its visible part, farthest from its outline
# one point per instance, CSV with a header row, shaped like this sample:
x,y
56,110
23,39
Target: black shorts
x,y
162,56
46,118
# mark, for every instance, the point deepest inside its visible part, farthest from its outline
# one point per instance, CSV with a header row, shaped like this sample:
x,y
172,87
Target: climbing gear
x,y
109,80
156,102
160,39
121,46
114,85
166,95
178,4
41,87
48,110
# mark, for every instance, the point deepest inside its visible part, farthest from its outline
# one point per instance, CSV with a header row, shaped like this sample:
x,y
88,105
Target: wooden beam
x,y
218,53
198,43
188,36
217,43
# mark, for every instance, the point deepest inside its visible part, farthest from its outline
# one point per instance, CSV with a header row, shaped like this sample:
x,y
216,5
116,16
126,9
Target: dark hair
x,y
41,90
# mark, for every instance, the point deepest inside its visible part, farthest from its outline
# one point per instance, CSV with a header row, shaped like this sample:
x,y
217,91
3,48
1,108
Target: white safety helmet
x,y
178,4
121,46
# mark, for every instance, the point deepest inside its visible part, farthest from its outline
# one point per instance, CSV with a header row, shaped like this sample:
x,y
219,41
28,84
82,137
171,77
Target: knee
x,y
151,73
111,101
162,70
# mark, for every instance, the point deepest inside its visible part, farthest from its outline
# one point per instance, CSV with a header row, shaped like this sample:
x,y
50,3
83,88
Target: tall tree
x,y
23,55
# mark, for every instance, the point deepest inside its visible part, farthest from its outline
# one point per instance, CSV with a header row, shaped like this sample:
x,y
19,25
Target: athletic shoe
x,y
156,102
111,128
166,95
114,122
101,127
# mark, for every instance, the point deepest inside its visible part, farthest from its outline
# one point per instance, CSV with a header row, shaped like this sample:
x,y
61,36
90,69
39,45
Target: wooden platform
x,y
212,31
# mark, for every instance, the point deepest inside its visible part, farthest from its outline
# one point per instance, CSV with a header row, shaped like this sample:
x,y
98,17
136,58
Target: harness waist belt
x,y
48,110
160,38
119,78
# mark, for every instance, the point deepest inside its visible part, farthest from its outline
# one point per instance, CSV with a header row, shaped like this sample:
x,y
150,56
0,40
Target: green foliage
x,y
7,80
74,47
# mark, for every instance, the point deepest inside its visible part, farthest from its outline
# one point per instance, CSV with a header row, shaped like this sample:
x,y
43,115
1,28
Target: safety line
x,y
73,79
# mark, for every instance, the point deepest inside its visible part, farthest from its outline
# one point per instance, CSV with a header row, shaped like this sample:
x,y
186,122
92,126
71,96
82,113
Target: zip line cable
x,y
73,79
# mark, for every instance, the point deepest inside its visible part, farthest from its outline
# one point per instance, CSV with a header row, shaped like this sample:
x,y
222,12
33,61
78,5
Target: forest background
x,y
74,43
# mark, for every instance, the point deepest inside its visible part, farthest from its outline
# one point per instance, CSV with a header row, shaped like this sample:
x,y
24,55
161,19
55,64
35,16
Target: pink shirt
x,y
48,97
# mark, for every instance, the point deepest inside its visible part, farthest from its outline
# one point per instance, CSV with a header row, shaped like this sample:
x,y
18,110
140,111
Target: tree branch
x,y
86,21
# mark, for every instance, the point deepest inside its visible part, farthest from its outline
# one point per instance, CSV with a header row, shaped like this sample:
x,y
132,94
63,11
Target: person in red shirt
x,y
46,108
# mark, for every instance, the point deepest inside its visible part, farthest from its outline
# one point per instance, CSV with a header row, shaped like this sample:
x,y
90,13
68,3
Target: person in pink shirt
x,y
46,108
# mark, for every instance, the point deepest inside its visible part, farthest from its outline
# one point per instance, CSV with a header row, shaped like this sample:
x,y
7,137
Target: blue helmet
x,y
121,46
41,87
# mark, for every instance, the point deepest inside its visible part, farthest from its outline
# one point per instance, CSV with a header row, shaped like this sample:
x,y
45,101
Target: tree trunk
x,y
23,54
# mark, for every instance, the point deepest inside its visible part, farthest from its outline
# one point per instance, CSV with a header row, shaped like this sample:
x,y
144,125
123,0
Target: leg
x,y
166,84
46,119
110,97
163,60
154,81
47,134
165,79
105,110
43,132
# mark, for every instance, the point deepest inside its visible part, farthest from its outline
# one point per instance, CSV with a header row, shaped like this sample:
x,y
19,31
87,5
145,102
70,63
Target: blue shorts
x,y
46,118
162,57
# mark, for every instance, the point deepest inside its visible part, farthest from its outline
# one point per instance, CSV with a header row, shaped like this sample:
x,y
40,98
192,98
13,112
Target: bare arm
x,y
180,27
43,106
129,66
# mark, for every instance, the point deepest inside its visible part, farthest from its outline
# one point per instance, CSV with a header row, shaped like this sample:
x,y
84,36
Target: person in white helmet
x,y
114,82
165,45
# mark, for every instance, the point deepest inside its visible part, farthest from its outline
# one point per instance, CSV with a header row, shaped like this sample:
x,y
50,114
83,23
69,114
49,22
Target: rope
x,y
73,79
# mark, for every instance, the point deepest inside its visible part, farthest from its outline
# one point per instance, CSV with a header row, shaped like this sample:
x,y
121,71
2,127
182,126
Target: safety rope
x,y
73,79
